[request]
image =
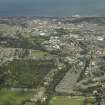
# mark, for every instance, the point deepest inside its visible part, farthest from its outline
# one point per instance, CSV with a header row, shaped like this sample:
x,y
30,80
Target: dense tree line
x,y
24,73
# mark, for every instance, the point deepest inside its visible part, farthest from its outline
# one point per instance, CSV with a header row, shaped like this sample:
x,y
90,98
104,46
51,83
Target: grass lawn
x,y
39,53
66,100
8,97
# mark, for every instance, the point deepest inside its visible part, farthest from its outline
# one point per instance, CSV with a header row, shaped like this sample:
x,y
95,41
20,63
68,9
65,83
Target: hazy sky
x,y
52,7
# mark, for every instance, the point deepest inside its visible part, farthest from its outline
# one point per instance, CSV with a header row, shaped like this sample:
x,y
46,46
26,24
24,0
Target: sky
x,y
52,7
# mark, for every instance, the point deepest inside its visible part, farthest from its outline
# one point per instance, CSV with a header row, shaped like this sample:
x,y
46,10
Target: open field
x,y
67,100
39,53
8,97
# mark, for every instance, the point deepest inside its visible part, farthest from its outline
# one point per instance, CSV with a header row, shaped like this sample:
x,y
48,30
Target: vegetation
x,y
8,97
68,100
39,53
24,73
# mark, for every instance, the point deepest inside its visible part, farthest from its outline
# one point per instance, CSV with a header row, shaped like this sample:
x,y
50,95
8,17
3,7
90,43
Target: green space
x,y
68,100
8,97
25,73
39,53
